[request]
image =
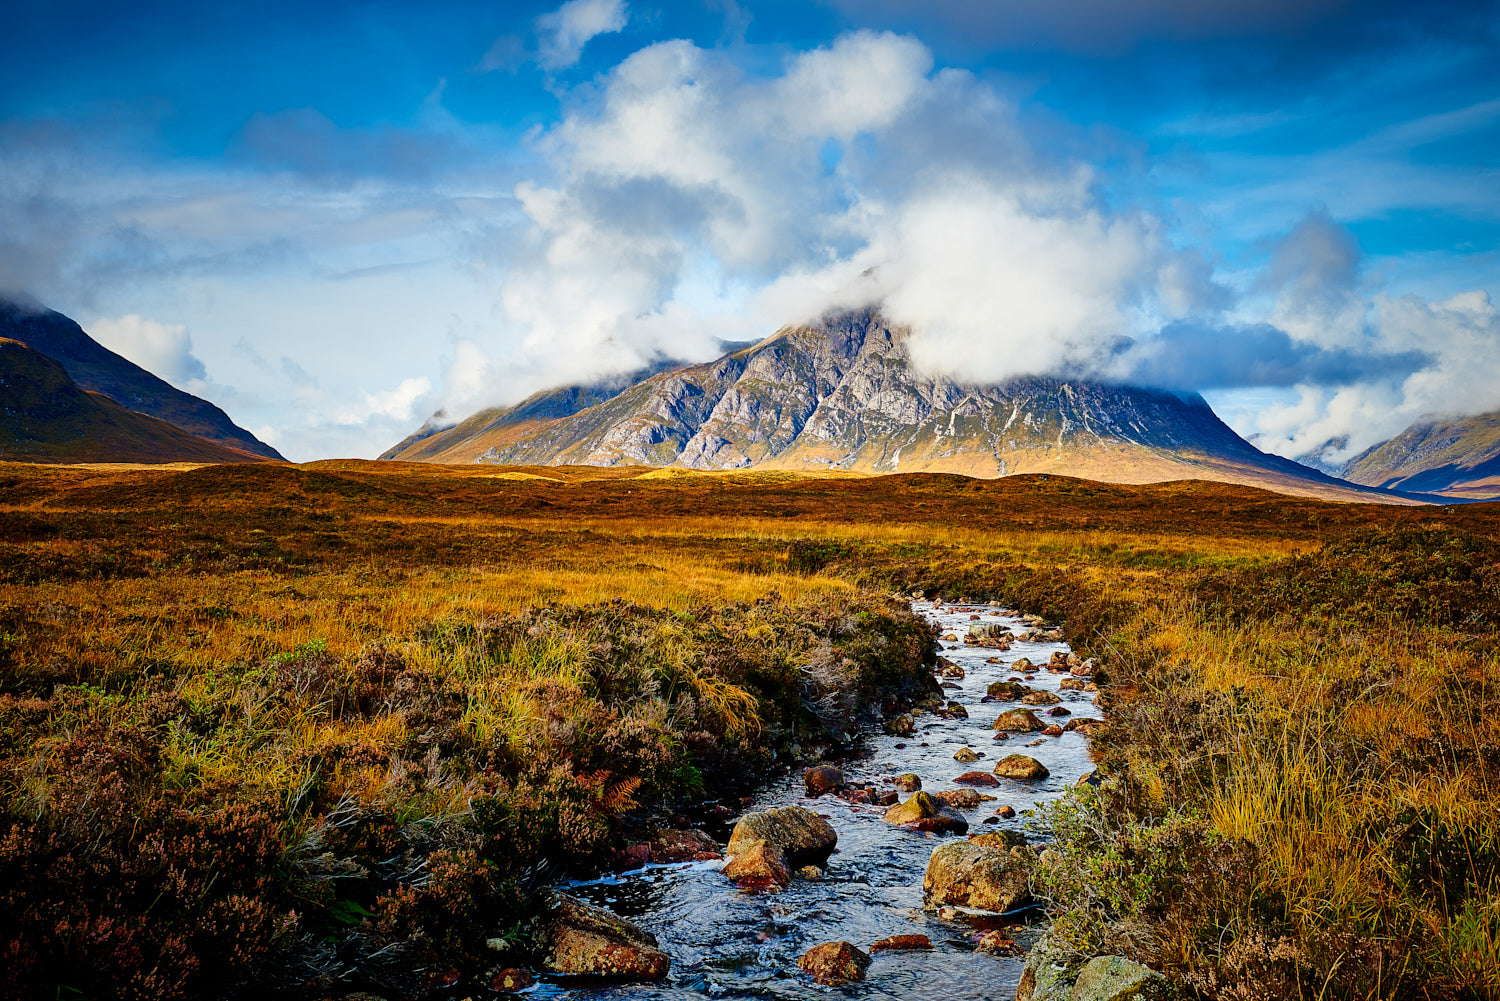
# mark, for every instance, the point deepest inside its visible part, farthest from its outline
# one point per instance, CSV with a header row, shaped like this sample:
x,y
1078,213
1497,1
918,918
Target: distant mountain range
x,y
841,394
67,398
1456,457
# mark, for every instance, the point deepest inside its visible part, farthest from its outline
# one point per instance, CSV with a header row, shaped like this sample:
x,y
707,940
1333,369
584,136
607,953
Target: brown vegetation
x,y
350,714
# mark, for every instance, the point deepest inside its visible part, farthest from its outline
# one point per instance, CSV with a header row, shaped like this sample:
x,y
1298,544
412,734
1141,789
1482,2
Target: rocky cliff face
x,y
1459,458
842,395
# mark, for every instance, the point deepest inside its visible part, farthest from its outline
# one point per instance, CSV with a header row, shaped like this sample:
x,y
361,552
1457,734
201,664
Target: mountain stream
x,y
728,943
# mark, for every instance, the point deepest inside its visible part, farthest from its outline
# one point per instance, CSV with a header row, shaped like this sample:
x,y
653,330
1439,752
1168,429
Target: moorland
x,y
312,728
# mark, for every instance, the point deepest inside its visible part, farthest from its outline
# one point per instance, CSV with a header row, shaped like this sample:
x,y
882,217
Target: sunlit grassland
x,y
387,647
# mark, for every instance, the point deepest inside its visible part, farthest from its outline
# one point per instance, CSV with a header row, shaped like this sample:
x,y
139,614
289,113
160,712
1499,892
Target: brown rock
x,y
919,806
1008,691
1087,727
683,846
821,779
965,874
1006,811
998,943
962,799
632,857
907,782
976,779
1022,666
900,726
803,837
1018,721
759,866
1021,767
965,754
923,812
887,798
835,963
1041,699
1053,731
1072,684
1059,711
512,980
902,943
579,938
950,669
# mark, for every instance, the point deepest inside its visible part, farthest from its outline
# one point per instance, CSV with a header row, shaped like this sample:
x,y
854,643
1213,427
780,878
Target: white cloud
x,y
163,349
1460,336
396,404
692,201
562,34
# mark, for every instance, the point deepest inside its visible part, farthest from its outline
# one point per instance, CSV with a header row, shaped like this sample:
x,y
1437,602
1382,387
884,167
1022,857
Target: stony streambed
x,y
727,943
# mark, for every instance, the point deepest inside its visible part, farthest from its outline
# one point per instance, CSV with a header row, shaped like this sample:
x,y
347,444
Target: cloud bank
x,y
691,201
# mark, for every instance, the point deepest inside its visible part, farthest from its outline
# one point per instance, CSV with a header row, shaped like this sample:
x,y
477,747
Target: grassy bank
x,y
346,716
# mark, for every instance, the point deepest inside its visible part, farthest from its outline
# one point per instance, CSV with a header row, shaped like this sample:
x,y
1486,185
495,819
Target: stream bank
x,y
724,941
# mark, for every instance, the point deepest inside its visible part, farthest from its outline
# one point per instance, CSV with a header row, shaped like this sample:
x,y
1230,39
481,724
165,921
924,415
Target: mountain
x,y
841,395
481,437
47,417
1458,458
97,369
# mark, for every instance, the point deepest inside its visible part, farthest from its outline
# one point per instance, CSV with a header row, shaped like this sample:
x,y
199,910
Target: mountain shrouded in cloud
x,y
1284,205
842,394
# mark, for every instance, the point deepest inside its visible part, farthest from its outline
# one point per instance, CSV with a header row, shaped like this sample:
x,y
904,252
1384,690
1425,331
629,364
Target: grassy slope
x,y
357,646
99,370
46,417
1460,458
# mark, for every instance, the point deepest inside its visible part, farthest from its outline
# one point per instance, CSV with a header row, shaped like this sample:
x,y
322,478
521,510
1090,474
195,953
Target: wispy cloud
x,y
562,34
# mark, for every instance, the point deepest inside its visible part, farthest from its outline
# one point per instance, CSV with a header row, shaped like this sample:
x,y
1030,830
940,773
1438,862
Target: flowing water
x,y
726,943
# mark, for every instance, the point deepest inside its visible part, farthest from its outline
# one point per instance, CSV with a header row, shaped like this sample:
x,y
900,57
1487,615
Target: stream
x,y
727,943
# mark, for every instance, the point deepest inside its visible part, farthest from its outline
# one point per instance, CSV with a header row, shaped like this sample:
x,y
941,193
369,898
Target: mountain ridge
x,y
45,416
97,369
840,394
1456,457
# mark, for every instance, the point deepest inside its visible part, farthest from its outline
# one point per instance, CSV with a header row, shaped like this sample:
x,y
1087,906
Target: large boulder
x,y
1021,767
835,963
581,939
1115,978
803,837
759,865
1052,967
980,876
1055,971
1018,721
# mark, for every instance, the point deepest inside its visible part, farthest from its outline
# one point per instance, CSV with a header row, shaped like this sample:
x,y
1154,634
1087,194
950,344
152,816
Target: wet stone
x,y
835,963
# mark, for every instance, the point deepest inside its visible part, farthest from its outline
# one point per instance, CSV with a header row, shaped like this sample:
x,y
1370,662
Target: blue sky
x,y
333,219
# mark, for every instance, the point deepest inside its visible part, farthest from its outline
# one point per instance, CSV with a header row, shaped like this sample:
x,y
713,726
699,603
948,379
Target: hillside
x,y
1459,458
841,395
47,417
97,369
441,440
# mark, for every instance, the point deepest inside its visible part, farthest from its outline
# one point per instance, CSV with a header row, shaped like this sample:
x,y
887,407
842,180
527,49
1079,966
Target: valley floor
x,y
328,727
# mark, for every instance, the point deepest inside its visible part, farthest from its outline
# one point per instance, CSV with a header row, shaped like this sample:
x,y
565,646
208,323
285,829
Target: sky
x,y
334,219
